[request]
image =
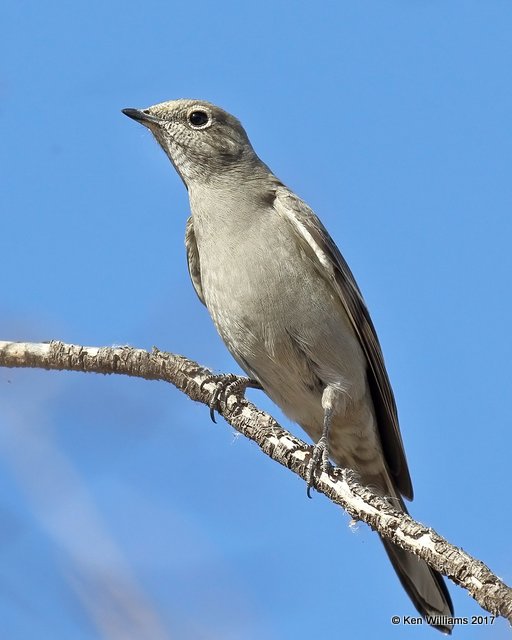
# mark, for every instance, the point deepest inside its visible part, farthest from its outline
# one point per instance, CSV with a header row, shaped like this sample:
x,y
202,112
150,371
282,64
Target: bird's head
x,y
203,141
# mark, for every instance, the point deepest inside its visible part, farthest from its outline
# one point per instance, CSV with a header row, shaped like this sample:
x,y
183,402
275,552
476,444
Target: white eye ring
x,y
199,118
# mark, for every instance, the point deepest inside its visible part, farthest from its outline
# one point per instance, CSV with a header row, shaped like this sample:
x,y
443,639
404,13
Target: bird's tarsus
x,y
318,463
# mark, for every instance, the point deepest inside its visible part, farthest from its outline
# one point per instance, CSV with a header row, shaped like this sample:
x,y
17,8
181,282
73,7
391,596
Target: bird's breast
x,y
278,315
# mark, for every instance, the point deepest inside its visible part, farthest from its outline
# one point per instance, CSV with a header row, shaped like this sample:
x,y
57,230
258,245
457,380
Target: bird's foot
x,y
318,463
227,384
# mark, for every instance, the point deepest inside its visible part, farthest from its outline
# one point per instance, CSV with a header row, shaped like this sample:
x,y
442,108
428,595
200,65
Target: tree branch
x,y
339,485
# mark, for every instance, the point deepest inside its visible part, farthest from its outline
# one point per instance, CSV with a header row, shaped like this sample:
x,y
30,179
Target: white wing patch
x,y
292,214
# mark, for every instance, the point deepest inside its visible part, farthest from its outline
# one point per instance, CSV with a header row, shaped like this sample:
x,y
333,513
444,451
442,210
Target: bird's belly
x,y
286,327
288,331
295,381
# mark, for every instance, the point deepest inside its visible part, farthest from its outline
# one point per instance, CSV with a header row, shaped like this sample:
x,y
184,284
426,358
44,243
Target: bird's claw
x,y
226,385
318,463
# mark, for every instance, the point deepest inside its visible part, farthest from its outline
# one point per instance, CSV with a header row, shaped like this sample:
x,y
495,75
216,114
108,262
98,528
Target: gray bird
x,y
288,308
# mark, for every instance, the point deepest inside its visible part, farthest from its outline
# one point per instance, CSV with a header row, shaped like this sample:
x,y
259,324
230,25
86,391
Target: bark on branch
x,y
339,485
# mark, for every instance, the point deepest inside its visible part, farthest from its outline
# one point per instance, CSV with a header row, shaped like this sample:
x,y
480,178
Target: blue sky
x,y
124,513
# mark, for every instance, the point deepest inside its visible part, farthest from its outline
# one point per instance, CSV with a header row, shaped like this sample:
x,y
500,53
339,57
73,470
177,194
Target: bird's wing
x,y
332,266
194,266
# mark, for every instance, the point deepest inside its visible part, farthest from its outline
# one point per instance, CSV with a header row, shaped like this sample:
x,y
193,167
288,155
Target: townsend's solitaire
x,y
288,308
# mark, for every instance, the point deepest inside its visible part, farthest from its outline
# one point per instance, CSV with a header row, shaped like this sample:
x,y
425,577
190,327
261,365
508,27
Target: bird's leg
x,y
319,461
227,384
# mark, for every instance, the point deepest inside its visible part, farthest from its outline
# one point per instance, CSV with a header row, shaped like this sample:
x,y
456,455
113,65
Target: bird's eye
x,y
198,119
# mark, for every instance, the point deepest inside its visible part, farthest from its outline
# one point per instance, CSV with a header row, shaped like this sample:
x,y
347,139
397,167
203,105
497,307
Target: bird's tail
x,y
424,586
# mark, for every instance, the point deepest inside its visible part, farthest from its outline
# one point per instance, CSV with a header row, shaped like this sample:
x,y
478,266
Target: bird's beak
x,y
141,115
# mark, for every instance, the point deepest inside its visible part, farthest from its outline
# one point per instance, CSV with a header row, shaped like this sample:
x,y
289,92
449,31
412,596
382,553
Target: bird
x,y
289,310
